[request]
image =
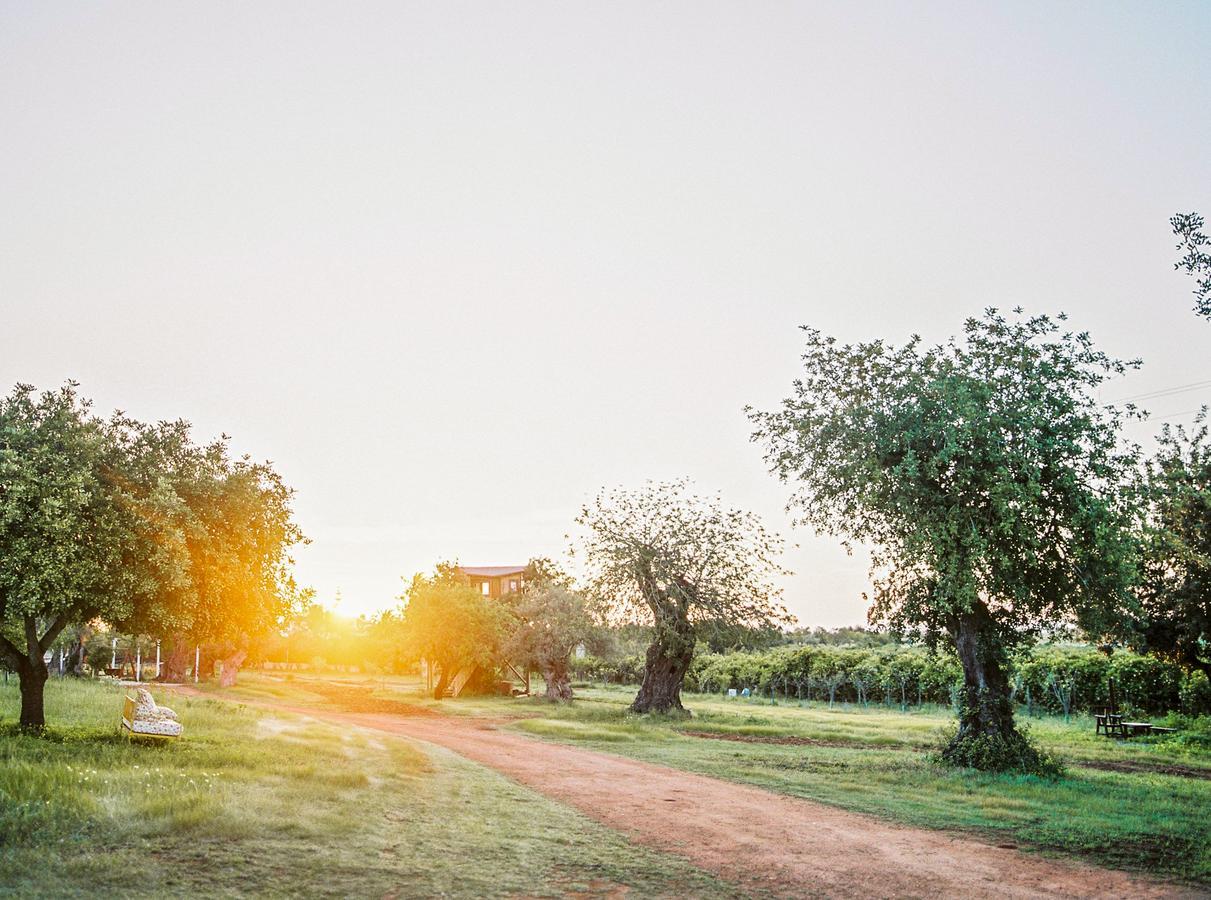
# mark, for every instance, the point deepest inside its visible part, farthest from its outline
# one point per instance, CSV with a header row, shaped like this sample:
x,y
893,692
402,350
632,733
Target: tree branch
x,y
33,649
56,627
10,652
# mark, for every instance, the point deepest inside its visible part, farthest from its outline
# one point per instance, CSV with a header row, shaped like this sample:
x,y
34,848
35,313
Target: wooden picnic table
x,y
1131,729
1112,725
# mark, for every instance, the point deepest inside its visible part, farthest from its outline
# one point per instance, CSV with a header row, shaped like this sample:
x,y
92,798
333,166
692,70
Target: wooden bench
x,y
158,728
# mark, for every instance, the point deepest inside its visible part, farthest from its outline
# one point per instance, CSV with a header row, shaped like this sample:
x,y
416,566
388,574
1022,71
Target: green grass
x,y
255,803
875,760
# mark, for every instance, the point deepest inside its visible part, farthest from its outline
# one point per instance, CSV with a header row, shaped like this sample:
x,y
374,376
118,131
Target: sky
x,y
453,267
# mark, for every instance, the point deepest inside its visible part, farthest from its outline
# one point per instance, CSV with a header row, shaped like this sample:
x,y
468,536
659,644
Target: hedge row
x,y
1056,679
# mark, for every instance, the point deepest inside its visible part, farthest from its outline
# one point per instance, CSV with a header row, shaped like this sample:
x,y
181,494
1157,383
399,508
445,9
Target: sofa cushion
x,y
165,727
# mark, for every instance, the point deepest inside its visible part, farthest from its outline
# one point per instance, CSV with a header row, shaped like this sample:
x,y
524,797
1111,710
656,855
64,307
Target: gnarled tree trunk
x,y
231,668
559,684
987,737
176,663
668,659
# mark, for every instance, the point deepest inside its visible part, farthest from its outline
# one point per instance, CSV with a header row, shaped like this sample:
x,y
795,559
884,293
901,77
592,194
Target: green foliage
x,y
684,564
132,524
1012,751
1195,245
1195,694
1175,590
913,675
855,636
65,473
549,621
983,471
659,554
618,670
449,623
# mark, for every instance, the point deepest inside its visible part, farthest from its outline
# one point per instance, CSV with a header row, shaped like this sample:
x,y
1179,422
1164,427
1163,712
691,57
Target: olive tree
x,y
551,620
988,480
677,561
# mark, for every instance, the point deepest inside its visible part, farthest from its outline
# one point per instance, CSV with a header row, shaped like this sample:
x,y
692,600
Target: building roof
x,y
492,571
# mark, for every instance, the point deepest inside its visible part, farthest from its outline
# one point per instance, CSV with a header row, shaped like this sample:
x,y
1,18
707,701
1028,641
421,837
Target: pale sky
x,y
452,267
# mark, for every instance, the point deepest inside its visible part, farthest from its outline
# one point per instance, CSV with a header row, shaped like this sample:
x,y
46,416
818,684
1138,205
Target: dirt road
x,y
764,842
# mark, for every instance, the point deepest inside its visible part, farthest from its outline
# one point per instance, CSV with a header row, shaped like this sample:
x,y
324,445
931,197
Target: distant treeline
x,y
1049,678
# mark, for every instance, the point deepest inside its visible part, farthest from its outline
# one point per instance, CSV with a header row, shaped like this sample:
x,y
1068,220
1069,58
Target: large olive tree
x,y
678,561
987,478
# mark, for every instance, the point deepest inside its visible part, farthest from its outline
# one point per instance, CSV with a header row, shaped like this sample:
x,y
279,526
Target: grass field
x,y
252,803
255,802
1140,804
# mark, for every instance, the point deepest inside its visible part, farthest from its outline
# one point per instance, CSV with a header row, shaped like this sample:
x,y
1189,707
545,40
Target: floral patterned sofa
x,y
141,715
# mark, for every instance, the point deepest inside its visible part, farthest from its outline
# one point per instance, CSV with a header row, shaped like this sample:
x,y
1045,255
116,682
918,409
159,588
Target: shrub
x,y
1045,677
1195,694
1015,752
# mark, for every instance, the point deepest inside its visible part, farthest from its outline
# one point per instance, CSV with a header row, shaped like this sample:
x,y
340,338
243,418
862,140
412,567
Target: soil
x,y
358,699
765,843
1146,768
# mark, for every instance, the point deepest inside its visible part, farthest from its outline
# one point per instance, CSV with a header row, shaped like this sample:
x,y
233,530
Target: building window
x,y
484,586
512,584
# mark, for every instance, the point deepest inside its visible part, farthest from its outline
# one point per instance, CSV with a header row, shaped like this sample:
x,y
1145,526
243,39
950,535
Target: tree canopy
x,y
129,523
450,624
550,620
1175,585
988,480
663,555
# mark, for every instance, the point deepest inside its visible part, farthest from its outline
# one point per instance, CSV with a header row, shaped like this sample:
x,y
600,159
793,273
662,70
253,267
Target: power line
x,y
1164,392
1173,415
1176,415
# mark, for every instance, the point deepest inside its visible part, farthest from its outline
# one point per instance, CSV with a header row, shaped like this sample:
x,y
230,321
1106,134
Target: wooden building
x,y
495,581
